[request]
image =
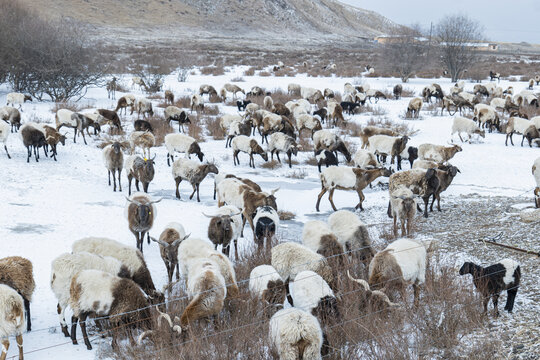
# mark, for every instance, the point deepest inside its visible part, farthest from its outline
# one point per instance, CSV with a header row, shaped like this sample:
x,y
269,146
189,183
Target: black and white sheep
x,y
173,113
183,144
409,153
384,145
522,126
193,172
492,280
326,157
266,222
324,139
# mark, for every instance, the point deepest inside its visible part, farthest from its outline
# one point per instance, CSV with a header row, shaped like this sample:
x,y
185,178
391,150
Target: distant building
x,y
392,39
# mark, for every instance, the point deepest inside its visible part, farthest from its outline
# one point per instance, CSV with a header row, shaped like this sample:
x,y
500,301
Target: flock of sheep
x,y
110,281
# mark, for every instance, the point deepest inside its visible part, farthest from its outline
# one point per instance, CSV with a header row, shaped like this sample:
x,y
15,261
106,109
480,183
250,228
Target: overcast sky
x,y
503,20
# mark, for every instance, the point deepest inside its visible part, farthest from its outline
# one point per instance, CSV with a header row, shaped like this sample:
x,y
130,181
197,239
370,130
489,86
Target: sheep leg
x,y
19,339
114,180
289,154
522,138
331,198
510,300
74,135
5,347
323,191
362,198
137,184
277,154
28,318
36,153
496,304
5,147
389,210
178,180
251,161
29,154
177,271
63,325
109,172
426,202
395,225
193,193
460,138
82,323
272,155
235,157
74,320
416,289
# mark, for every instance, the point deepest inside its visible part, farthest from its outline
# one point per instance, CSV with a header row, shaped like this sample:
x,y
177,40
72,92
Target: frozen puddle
x,y
30,228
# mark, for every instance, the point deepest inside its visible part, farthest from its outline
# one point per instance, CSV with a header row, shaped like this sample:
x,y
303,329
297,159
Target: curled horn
x,y
274,191
160,242
143,335
165,316
363,283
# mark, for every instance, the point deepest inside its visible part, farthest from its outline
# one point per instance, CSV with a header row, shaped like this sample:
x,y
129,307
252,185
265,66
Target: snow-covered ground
x,y
46,206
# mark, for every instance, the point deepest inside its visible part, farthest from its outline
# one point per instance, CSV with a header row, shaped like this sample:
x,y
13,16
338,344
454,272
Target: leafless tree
x,y
456,33
405,52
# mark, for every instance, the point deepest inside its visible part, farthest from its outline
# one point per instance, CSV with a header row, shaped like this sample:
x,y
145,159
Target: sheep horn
x,y
160,242
359,281
177,329
164,316
143,335
155,201
208,216
133,201
274,191
154,158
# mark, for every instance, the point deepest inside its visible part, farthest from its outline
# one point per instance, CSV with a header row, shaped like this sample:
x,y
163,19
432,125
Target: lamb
x,y
124,102
140,213
207,89
234,192
346,178
403,204
294,89
17,98
268,103
192,249
233,89
139,169
281,142
318,237
130,257
11,319
290,258
111,117
96,293
249,146
324,139
17,272
437,153
142,139
409,153
325,157
32,138
467,126
398,89
402,262
169,97
352,234
113,158
143,125
536,174
421,182
225,228
4,134
183,144
486,114
169,240
521,126
266,284
144,106
388,146
207,287
369,131
12,116
492,280
309,292
413,110
193,172
196,103
66,266
295,334
266,222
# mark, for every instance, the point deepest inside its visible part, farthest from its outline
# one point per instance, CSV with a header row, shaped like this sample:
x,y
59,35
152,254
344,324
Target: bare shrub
x,y
297,174
160,127
264,74
400,127
183,102
272,164
195,129
70,105
214,99
212,110
407,92
213,70
215,130
238,79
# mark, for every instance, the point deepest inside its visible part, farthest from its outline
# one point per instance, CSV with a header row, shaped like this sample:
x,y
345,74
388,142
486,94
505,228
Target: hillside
x,y
298,20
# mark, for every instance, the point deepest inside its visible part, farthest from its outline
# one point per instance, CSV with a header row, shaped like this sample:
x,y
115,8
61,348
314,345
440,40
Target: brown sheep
x,y
413,110
139,169
53,137
193,172
17,273
169,97
281,109
111,117
420,181
169,240
141,213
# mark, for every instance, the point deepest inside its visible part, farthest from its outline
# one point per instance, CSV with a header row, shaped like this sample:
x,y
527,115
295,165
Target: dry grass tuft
x,y
214,129
195,129
401,128
265,74
271,164
211,110
286,215
70,105
250,71
297,174
238,79
213,70
161,128
183,102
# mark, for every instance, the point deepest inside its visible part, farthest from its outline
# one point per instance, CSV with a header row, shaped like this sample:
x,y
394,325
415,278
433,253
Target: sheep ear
x,y
160,242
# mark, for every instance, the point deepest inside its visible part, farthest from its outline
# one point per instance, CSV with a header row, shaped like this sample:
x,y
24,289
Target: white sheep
x,y
4,134
173,113
183,144
12,319
522,126
497,103
536,121
113,158
384,145
197,102
291,258
437,153
365,159
280,142
403,203
486,114
311,293
143,139
294,89
17,98
311,94
402,262
306,121
266,284
268,103
536,174
144,106
249,146
425,164
226,121
352,234
318,237
464,125
66,266
12,116
295,334
63,117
